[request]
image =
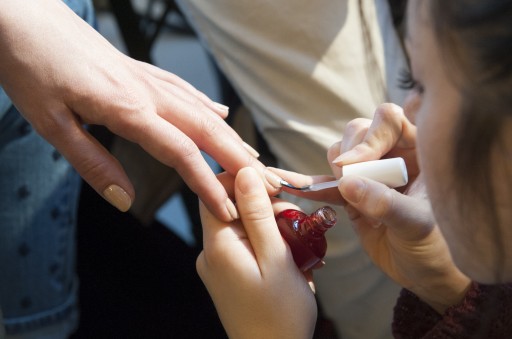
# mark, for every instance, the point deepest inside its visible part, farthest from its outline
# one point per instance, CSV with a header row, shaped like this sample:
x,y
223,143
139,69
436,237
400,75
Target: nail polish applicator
x,y
390,172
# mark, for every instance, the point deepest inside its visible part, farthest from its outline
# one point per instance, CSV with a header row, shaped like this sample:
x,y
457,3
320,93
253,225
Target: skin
x,y
249,270
60,73
416,235
469,234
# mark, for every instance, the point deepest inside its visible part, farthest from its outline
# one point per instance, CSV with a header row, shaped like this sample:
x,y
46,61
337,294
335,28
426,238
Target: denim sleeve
x,y
39,193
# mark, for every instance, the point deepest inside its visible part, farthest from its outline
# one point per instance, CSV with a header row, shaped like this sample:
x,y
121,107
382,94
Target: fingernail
x,y
118,197
312,287
233,212
273,179
222,107
339,159
352,188
345,157
251,150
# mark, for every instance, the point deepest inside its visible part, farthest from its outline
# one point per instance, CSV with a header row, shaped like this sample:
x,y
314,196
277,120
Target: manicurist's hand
x,y
390,134
249,271
397,228
61,74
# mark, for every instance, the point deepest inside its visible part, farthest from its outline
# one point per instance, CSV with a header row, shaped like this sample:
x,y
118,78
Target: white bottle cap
x,y
391,172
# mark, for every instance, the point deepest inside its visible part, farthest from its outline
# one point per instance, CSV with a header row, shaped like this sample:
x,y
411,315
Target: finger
x,y
299,180
409,217
217,139
354,133
383,134
228,181
308,275
334,152
258,219
210,226
279,205
93,162
175,149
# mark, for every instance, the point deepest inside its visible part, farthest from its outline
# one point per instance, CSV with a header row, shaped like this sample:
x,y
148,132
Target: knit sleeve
x,y
485,312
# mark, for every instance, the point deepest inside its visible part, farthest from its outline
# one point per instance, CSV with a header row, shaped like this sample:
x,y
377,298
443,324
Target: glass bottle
x,y
305,234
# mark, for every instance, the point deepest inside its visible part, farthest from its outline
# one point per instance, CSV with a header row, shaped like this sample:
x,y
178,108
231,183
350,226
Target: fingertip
x,y
352,188
221,109
118,197
248,181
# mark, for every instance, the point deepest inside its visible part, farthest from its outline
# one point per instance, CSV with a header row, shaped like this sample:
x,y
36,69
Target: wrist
x,y
444,291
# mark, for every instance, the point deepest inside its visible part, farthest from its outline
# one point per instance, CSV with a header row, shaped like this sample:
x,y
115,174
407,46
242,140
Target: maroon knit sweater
x,y
485,312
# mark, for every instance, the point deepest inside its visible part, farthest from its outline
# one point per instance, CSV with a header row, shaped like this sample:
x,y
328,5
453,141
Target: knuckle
x,y
333,151
128,111
388,112
208,127
214,258
93,168
52,126
187,154
384,205
356,125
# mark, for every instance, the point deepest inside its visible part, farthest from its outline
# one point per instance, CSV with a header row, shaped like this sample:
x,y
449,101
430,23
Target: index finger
x,y
173,148
389,129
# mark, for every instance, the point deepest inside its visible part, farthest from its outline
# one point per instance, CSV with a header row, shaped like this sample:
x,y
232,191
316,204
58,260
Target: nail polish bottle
x,y
305,234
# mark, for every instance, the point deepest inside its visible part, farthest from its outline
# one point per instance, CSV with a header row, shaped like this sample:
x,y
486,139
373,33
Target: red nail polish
x,y
305,234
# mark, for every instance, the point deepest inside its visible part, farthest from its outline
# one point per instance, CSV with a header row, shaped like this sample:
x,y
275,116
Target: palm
x,y
409,253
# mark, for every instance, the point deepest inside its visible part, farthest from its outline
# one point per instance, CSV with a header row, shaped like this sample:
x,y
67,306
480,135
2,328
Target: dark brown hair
x,y
475,39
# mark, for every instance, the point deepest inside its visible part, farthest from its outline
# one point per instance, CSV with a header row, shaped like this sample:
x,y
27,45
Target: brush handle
x,y
390,172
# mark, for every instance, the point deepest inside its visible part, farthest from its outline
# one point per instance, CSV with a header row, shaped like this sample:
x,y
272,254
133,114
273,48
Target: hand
x,y
400,235
60,73
249,271
388,135
397,230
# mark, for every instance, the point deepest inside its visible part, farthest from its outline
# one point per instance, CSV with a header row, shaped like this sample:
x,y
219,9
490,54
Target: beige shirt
x,y
303,70
301,67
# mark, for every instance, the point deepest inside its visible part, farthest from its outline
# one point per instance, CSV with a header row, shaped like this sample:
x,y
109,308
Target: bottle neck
x,y
319,221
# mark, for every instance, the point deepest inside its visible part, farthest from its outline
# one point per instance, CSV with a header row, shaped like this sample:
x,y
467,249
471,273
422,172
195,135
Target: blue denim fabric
x,y
39,193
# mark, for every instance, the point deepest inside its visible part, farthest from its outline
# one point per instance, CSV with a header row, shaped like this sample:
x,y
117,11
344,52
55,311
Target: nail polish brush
x,y
390,172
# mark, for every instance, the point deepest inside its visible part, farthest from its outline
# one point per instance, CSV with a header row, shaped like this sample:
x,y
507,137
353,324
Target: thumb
x,y
409,217
94,164
258,218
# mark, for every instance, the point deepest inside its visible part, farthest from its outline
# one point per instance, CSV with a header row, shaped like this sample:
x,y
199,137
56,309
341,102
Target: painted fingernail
x,y
233,212
273,179
251,150
118,197
222,107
